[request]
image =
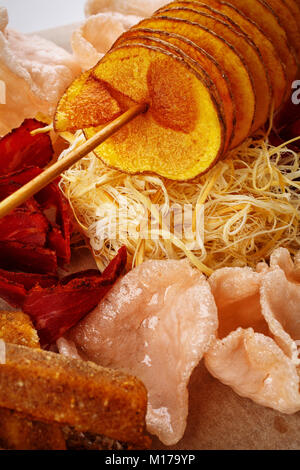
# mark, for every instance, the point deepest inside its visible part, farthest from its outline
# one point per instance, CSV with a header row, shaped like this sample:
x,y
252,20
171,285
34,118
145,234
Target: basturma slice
x,y
55,310
19,149
28,258
181,136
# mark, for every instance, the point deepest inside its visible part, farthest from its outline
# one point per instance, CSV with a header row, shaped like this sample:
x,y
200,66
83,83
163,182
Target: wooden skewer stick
x,y
42,180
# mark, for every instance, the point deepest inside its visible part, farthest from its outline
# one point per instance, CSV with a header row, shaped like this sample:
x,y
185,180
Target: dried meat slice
x,y
55,310
24,226
29,280
13,293
255,367
60,236
20,149
157,321
28,258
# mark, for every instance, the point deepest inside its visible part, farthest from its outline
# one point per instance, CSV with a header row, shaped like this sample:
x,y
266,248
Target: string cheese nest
x,y
245,207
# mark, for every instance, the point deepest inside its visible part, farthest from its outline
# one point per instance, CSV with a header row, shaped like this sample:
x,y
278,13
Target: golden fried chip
x,y
204,64
242,44
181,135
229,60
79,106
275,67
288,21
259,12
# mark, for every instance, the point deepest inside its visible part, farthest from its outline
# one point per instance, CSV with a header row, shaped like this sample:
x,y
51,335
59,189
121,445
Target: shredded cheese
x,y
249,205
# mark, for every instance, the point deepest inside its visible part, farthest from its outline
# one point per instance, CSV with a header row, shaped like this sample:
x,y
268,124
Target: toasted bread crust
x,y
51,388
16,328
17,432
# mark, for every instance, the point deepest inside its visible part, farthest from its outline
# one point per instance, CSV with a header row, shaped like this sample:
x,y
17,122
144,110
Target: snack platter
x,y
90,298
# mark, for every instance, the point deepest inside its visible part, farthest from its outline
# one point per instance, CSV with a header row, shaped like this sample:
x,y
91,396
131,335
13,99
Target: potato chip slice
x,y
294,7
243,45
287,21
79,106
259,12
181,135
275,67
179,44
229,60
255,367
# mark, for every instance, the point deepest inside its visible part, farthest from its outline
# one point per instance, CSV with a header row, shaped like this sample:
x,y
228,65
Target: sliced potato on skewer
x,y
244,46
287,21
215,72
275,67
181,135
260,13
294,7
158,42
233,65
78,108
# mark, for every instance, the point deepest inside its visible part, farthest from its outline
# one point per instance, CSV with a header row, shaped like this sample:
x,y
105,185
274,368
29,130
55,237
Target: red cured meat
x,y
20,149
24,226
27,258
57,309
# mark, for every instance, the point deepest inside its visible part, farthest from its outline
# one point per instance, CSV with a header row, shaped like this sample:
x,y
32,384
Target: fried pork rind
x,y
256,353
236,292
155,323
256,368
89,46
35,71
126,7
280,302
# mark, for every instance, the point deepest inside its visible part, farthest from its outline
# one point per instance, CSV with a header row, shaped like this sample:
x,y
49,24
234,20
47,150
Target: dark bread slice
x,y
17,432
50,388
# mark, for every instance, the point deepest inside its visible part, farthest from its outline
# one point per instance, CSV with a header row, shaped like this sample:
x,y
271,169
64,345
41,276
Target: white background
x,y
34,15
